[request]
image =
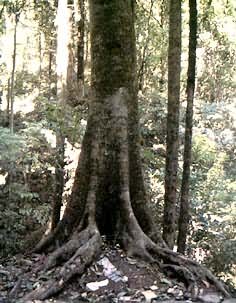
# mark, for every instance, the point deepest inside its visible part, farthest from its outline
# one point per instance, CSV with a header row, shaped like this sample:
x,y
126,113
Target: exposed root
x,y
46,241
68,250
79,252
174,264
84,247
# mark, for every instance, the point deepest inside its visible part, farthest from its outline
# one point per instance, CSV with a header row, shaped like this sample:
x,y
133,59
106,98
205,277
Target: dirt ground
x,y
113,278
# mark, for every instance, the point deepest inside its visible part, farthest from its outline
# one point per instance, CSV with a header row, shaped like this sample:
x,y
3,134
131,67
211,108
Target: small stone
x,y
149,295
153,287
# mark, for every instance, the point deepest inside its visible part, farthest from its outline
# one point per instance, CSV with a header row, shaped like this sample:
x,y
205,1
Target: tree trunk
x,y
163,60
172,141
184,196
50,60
40,60
108,196
63,36
8,101
80,44
12,94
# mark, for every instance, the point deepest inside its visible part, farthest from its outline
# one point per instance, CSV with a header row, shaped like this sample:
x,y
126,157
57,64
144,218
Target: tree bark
x,y
184,196
172,141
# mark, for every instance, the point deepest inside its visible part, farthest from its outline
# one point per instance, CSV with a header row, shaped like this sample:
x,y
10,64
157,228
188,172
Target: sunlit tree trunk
x,y
172,141
40,59
50,61
12,93
184,195
8,100
62,67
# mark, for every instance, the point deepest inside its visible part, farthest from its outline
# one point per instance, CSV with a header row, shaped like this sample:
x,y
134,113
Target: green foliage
x,y
70,123
11,147
152,44
15,6
18,218
204,150
213,206
21,208
152,130
25,83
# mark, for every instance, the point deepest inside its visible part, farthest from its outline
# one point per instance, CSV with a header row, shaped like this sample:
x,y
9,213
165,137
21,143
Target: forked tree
x,y
108,196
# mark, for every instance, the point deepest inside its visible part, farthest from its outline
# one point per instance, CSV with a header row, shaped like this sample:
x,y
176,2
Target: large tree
x,y
108,196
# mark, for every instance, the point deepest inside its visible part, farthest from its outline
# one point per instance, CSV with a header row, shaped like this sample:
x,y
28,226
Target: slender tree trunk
x,y
12,94
50,64
62,68
74,92
8,100
184,195
172,141
80,44
40,60
163,59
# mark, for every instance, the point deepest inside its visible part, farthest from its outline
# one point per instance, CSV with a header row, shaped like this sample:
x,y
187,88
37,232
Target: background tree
x,y
62,58
15,9
184,194
172,140
80,15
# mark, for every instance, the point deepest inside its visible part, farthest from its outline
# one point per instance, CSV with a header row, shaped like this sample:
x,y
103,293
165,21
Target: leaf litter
x,y
114,278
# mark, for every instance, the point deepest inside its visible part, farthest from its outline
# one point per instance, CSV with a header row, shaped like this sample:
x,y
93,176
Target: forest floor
x,y
113,278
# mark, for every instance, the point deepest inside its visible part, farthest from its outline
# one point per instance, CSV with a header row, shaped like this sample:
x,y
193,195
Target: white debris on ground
x,y
93,286
110,271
